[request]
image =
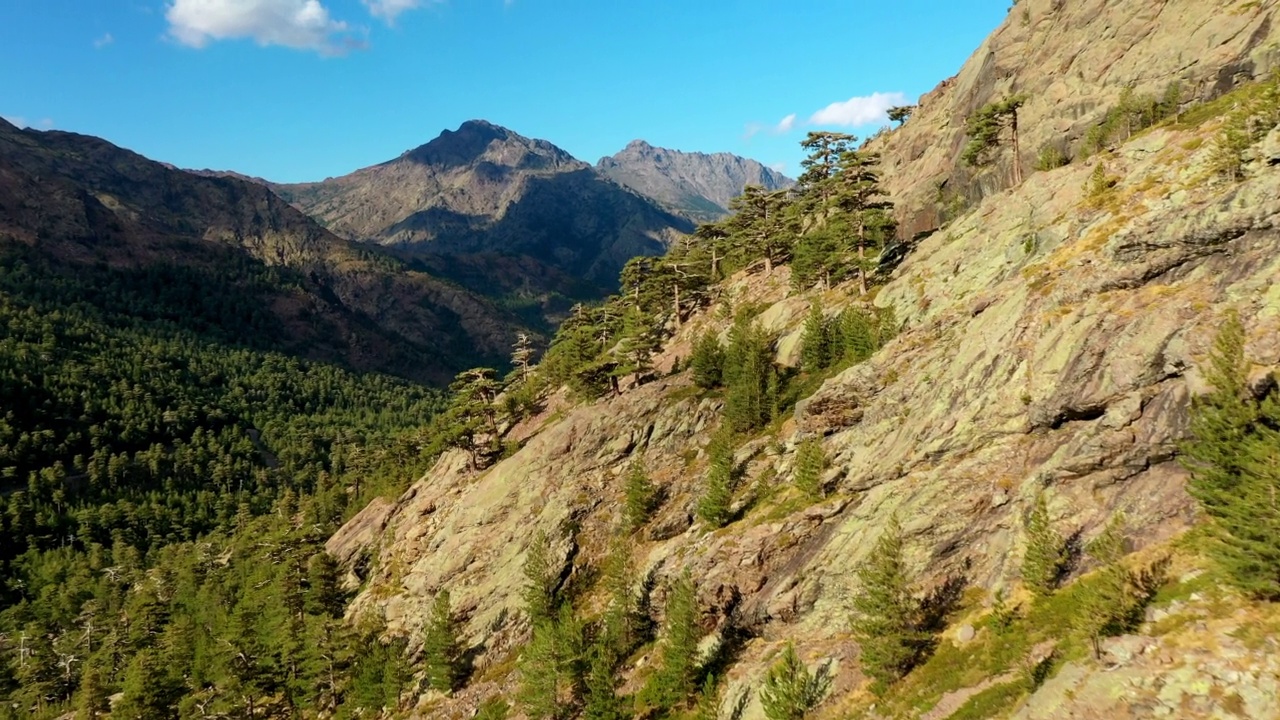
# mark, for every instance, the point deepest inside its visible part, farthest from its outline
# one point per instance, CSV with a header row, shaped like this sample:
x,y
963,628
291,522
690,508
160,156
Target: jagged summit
x,y
697,185
484,189
481,140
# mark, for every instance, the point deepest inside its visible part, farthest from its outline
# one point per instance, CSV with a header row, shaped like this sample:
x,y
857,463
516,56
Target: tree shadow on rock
x,y
941,602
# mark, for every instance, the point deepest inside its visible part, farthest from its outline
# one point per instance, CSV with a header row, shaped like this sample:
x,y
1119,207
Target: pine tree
x,y
860,197
440,651
790,691
324,586
901,113
93,698
247,654
673,681
820,168
708,706
640,494
620,624
541,580
717,494
985,128
817,254
708,361
858,332
1232,458
711,246
602,701
811,461
758,225
472,416
639,341
1108,600
38,675
1045,557
149,691
551,672
815,342
886,613
749,369
522,356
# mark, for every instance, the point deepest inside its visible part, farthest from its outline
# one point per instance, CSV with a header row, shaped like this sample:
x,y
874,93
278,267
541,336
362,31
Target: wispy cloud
x,y
298,24
857,111
389,10
782,127
778,167
854,112
103,41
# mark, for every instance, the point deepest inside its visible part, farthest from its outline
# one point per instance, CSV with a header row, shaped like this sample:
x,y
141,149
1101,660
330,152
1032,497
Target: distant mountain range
x,y
419,266
485,190
698,186
522,220
87,221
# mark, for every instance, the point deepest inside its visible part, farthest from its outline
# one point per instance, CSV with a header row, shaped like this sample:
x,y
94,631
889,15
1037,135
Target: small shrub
x,y
1046,556
810,462
790,691
640,496
1051,157
1098,187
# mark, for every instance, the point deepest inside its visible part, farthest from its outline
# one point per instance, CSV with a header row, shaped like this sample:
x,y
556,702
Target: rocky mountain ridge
x,y
1052,335
78,203
483,189
1073,61
696,185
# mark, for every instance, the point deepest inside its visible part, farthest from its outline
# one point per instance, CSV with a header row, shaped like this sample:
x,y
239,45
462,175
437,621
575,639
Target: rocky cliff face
x,y
483,189
79,202
696,185
1073,60
1050,344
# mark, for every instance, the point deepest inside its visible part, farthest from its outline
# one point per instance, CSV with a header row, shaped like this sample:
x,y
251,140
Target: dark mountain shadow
x,y
114,230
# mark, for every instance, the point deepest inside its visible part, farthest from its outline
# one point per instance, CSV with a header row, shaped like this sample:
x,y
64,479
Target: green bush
x,y
1051,157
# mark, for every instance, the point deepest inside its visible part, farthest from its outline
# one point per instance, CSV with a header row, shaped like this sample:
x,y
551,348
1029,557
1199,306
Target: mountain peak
x,y
477,140
696,185
480,127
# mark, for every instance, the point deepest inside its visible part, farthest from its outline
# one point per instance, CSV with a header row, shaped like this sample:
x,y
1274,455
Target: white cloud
x,y
783,126
389,10
299,24
103,41
858,111
45,124
778,167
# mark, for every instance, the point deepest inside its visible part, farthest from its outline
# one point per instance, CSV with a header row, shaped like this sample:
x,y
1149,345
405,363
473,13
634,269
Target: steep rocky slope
x,y
1068,367
1050,344
483,189
696,185
80,204
1073,61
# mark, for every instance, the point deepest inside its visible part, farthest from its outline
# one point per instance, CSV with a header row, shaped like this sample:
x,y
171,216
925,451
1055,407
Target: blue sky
x,y
296,90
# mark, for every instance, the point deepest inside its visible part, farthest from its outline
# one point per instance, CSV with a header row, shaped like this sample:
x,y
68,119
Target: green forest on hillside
x,y
151,446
